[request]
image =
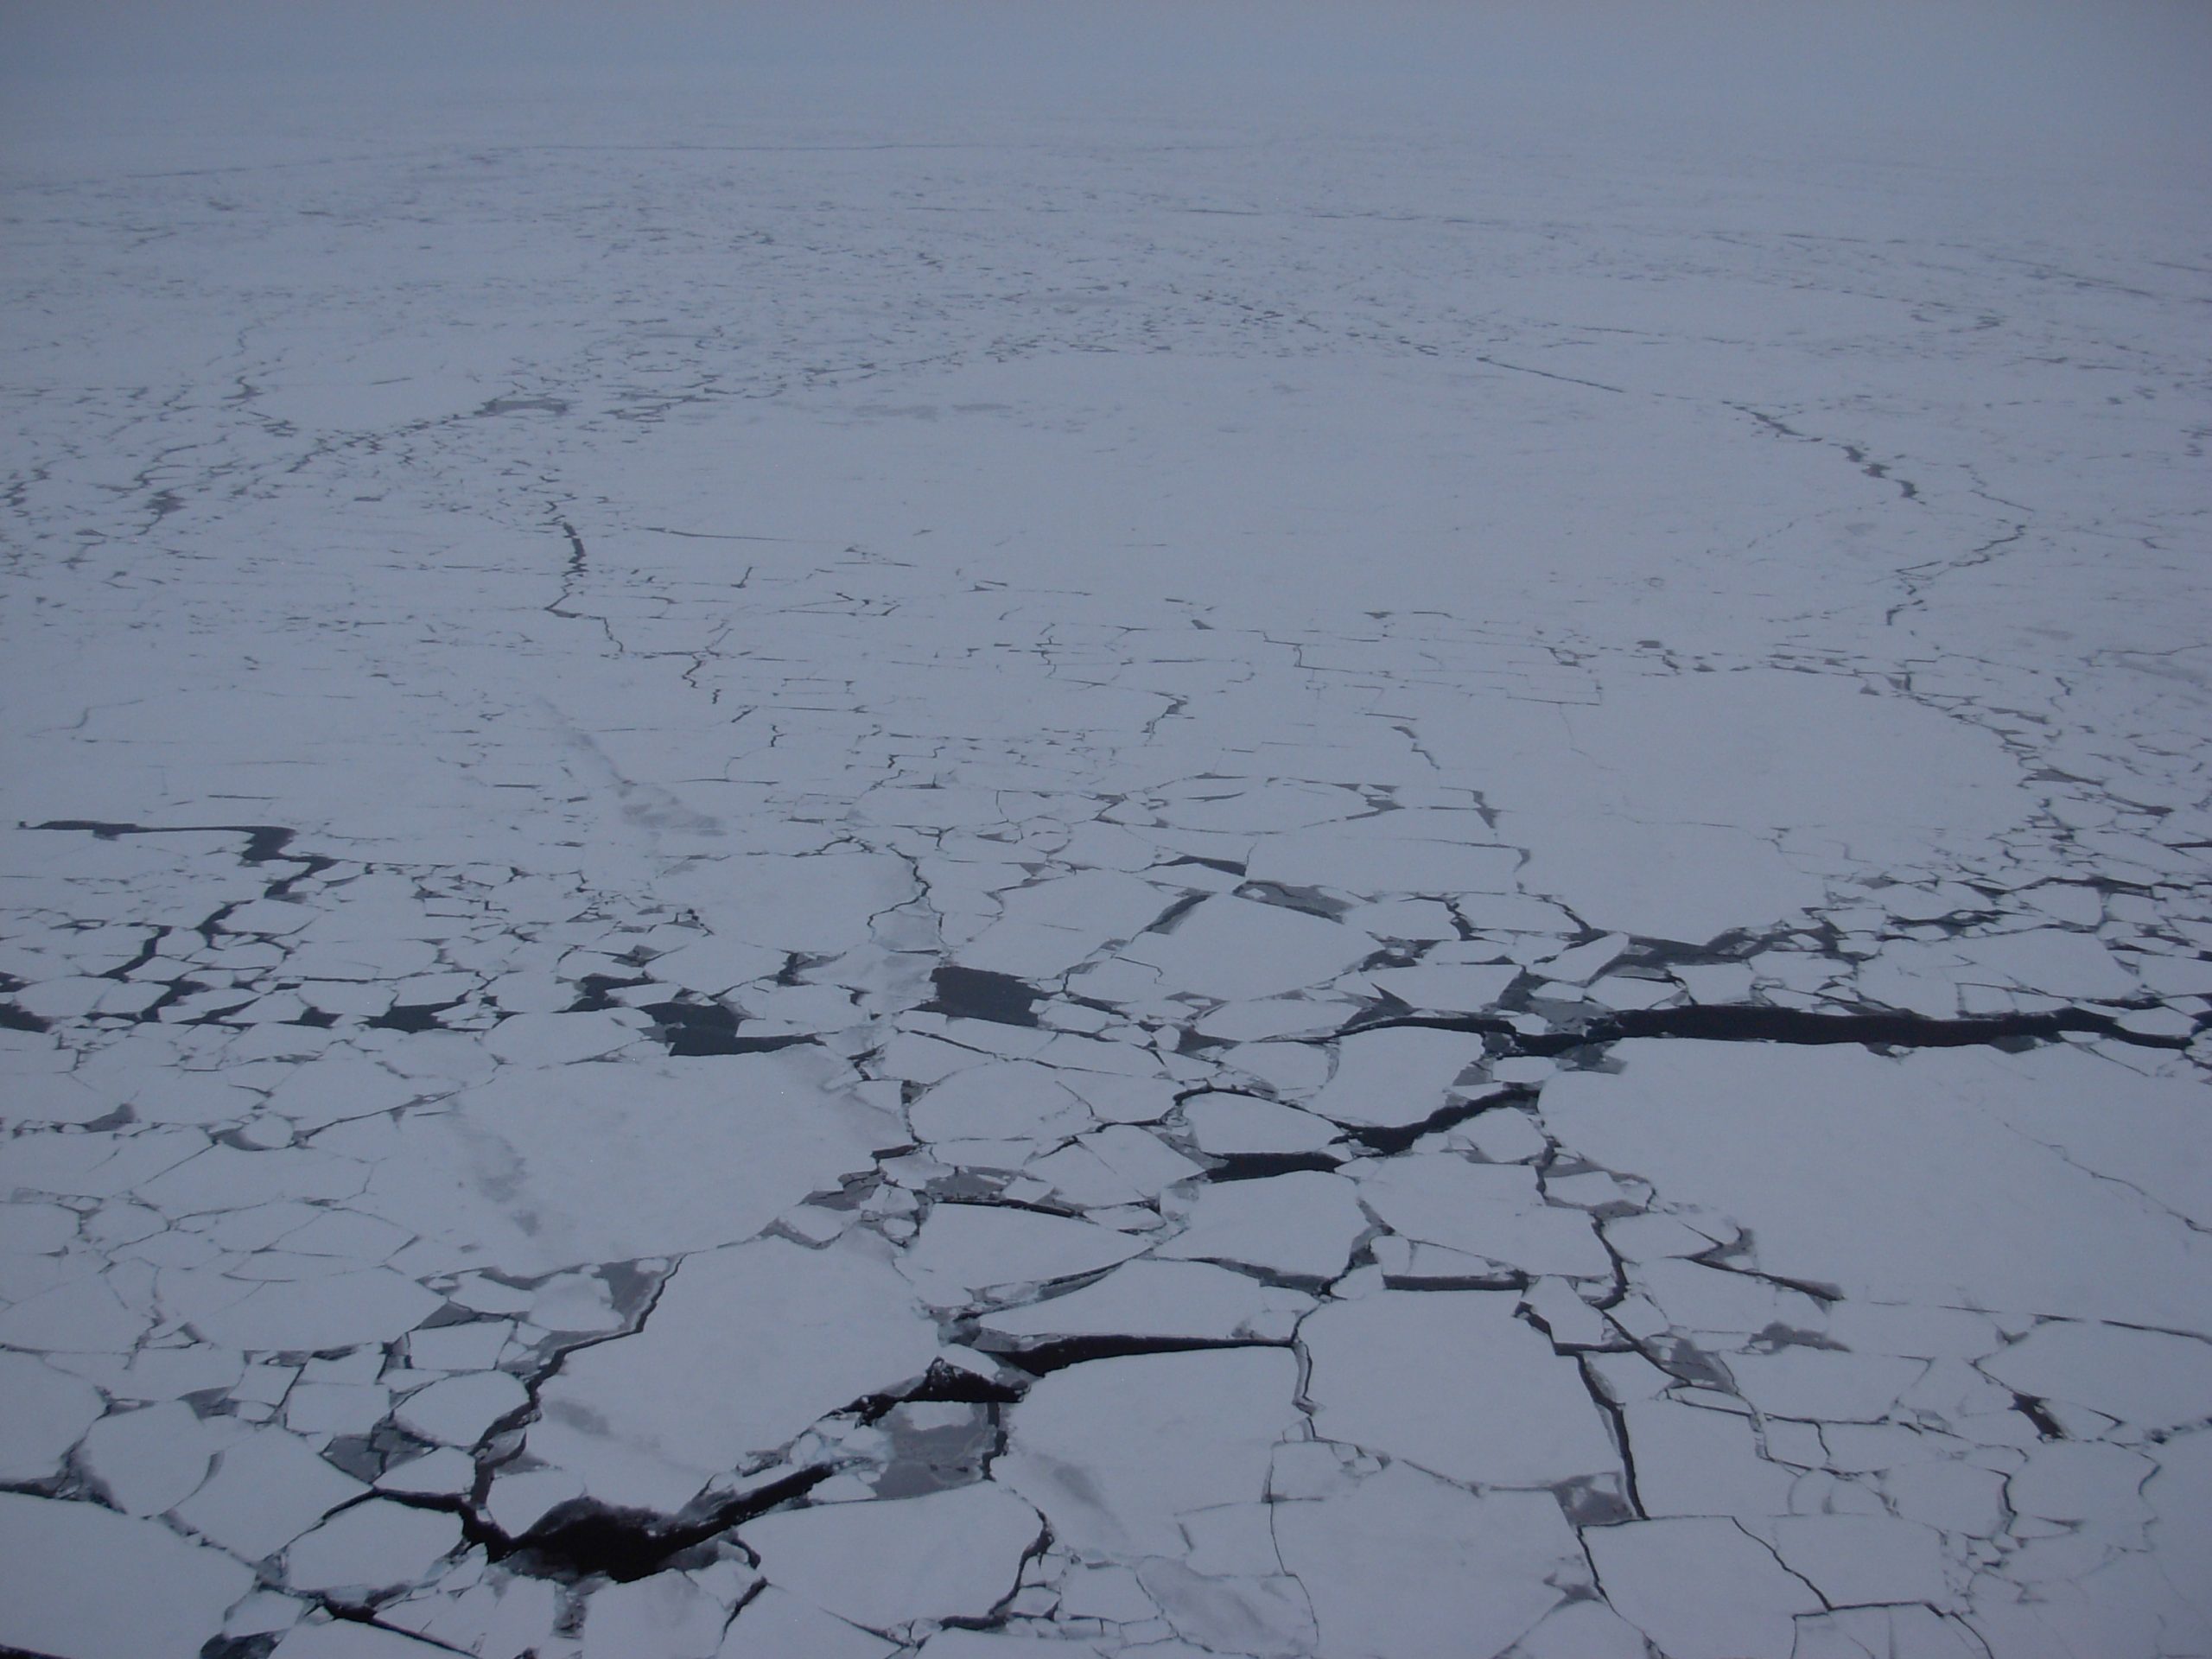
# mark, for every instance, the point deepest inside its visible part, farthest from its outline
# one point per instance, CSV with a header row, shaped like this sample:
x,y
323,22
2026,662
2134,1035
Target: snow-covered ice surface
x,y
811,860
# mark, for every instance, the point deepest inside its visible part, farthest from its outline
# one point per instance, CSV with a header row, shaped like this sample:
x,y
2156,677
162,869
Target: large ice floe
x,y
1076,857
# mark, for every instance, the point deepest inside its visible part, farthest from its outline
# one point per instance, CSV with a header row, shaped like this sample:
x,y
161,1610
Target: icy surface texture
x,y
811,861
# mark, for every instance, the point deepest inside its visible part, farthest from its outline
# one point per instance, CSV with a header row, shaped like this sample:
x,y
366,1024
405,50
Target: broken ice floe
x,y
602,1063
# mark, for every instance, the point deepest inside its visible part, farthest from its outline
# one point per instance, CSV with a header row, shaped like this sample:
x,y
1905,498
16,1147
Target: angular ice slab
x,y
745,1348
1452,1381
1115,1452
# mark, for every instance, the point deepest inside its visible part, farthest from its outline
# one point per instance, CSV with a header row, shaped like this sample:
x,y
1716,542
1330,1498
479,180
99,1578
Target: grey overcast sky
x,y
2116,78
